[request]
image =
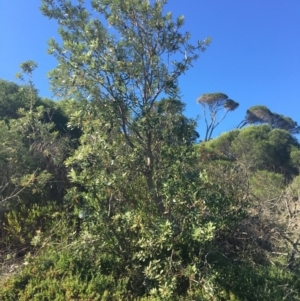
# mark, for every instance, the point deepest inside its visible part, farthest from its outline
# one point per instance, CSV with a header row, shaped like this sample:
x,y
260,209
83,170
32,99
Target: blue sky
x,y
254,56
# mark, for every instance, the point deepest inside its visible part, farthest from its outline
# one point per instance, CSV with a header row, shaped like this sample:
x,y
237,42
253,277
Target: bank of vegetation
x,y
109,194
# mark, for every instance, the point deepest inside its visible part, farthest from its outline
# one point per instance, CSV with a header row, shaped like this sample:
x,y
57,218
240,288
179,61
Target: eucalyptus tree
x,y
214,103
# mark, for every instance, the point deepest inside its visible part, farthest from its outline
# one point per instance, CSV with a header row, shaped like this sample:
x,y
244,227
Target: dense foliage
x,y
106,194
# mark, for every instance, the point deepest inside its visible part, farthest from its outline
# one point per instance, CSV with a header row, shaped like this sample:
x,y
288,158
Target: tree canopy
x,y
258,148
261,114
215,102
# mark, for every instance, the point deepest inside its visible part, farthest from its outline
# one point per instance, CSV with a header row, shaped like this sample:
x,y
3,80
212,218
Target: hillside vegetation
x,y
108,194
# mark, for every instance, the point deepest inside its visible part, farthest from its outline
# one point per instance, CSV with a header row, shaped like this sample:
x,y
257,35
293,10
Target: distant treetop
x,y
261,114
215,102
